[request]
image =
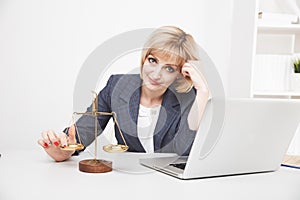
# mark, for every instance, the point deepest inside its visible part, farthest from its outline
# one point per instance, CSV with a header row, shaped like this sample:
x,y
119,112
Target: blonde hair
x,y
172,43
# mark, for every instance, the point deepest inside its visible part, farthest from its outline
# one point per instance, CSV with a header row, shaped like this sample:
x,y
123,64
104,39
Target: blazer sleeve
x,y
185,136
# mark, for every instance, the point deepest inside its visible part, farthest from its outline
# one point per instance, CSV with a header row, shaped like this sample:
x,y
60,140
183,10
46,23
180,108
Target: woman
x,y
159,110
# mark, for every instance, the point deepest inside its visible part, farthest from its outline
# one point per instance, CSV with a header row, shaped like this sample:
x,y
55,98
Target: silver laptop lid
x,y
253,137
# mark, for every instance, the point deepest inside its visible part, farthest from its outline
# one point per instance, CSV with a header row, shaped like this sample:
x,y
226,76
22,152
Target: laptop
x,y
236,136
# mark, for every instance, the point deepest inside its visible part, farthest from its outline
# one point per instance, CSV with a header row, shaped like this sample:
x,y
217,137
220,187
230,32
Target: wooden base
x,y
95,166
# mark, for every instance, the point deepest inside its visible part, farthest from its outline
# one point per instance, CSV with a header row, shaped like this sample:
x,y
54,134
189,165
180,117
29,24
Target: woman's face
x,y
159,73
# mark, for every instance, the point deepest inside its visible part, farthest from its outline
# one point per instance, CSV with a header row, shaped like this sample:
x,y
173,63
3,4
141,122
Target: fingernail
x,y
56,144
45,144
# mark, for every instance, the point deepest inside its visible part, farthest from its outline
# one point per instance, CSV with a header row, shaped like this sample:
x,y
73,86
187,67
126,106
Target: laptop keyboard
x,y
178,165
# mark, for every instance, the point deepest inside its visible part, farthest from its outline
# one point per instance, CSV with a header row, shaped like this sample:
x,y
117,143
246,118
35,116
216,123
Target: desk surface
x,y
31,174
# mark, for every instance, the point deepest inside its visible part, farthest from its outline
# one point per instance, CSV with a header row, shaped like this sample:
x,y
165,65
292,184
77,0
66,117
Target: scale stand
x,y
97,165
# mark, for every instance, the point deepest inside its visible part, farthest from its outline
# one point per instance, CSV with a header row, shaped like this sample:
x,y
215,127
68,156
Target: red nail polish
x,y
45,144
56,144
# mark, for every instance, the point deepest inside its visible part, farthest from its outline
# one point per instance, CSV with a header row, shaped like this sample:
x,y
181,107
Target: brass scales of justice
x,y
97,165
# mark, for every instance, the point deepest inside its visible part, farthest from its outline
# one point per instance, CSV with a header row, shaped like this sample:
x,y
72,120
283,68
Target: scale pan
x,y
73,147
115,148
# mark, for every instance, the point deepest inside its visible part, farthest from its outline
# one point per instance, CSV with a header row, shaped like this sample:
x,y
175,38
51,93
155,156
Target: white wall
x,y
44,43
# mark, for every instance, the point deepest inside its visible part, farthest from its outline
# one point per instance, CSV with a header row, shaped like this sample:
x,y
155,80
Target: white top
x,y
145,126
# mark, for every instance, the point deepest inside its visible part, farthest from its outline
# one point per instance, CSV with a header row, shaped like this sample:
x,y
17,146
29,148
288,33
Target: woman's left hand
x,y
191,69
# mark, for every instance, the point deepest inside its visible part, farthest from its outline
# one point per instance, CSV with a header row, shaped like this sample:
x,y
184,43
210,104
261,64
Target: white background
x,y
43,45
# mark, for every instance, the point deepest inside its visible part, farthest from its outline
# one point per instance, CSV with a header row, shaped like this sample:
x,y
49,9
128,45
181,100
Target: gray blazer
x,y
122,95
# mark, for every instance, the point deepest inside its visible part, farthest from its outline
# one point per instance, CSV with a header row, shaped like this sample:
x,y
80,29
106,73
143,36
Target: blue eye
x,y
152,60
169,69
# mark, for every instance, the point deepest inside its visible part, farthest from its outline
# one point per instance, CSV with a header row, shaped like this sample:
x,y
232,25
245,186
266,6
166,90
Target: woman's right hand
x,y
53,142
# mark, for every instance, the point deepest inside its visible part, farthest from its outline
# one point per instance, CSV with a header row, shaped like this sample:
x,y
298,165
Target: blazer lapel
x,y
127,107
169,110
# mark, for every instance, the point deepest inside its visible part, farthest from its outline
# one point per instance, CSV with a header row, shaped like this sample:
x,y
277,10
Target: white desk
x,y
31,174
